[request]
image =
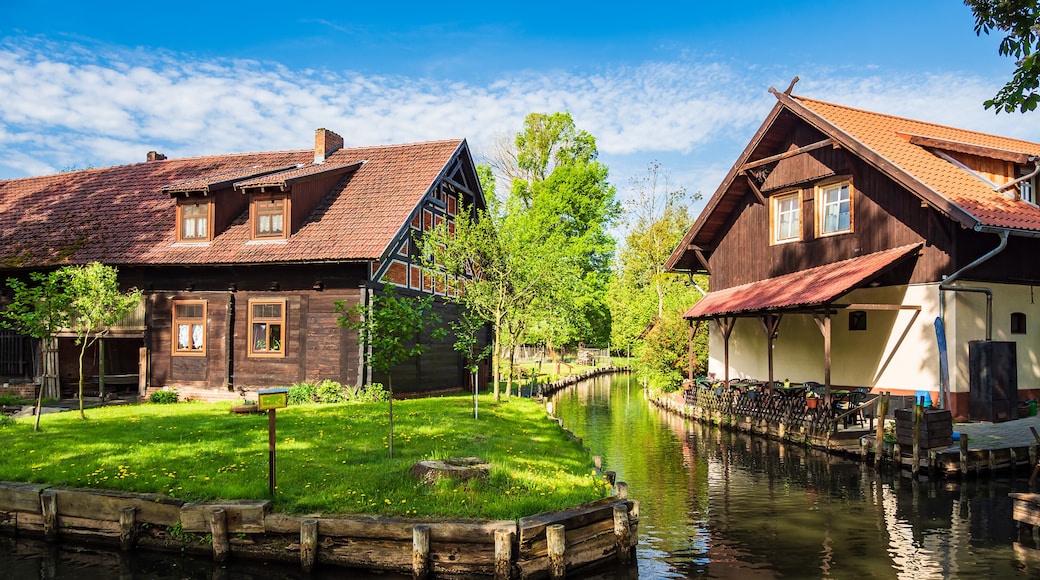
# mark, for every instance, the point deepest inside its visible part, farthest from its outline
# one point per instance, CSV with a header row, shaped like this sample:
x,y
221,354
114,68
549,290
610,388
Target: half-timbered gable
x,y
244,258
841,239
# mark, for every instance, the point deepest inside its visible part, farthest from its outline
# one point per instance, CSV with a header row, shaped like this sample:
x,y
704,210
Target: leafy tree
x,y
95,304
392,328
1019,20
40,310
646,302
467,343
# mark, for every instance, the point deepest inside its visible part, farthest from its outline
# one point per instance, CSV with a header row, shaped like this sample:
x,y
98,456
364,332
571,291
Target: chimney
x,y
154,156
325,142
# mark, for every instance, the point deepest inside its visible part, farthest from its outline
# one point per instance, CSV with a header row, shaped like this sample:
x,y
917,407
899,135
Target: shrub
x,y
163,397
330,391
373,393
302,393
7,399
6,421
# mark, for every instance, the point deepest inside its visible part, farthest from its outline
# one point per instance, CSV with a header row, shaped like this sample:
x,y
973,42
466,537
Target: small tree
x,y
467,343
40,310
392,328
95,304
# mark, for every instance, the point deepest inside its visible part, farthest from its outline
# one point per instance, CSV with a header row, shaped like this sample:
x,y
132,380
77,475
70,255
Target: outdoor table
x,y
793,391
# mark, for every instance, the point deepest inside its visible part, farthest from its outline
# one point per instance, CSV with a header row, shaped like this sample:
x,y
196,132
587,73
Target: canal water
x,y
713,504
721,504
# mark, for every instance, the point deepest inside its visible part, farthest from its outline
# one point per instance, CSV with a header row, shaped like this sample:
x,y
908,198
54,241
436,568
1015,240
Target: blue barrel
x,y
924,398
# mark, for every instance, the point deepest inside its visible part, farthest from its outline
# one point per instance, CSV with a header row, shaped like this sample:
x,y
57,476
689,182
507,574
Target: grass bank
x,y
331,459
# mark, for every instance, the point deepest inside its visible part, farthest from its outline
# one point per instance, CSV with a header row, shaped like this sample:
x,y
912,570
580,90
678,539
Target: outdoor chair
x,y
853,402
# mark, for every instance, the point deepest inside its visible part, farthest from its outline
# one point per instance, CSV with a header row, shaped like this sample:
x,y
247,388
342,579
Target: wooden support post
x,y
597,462
218,527
308,544
622,490
549,408
503,554
992,461
611,476
127,517
964,454
556,541
916,455
879,442
622,533
49,510
421,552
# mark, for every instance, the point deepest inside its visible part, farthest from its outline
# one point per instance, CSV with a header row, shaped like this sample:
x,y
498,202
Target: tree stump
x,y
457,468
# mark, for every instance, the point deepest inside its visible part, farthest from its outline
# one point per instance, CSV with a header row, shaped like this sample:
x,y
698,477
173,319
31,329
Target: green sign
x,y
272,399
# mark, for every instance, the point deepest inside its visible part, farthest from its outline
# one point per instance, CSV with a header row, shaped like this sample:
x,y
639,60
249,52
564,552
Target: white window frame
x,y
778,211
824,205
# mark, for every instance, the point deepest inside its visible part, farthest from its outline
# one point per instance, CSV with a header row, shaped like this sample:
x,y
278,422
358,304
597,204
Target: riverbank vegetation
x,y
331,459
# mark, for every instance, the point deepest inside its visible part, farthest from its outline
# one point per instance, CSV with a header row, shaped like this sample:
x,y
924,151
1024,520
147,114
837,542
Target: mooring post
x,y
622,490
218,527
611,476
879,441
503,554
421,552
49,510
597,462
127,515
964,454
556,543
308,543
622,533
916,455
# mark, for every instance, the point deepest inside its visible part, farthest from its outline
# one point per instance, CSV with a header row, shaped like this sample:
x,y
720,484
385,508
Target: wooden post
x,y
49,510
308,544
271,452
611,476
549,408
622,533
964,454
597,462
126,527
622,490
879,442
556,541
916,455
218,527
503,554
421,552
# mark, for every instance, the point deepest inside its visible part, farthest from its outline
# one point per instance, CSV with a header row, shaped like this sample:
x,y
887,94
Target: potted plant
x,y
811,400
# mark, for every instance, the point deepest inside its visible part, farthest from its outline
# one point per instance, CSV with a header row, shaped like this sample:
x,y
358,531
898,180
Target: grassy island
x,y
331,459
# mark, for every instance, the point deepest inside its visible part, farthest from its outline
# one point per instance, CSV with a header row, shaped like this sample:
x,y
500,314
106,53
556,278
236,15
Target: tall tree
x,y
40,310
393,329
95,304
646,302
1019,20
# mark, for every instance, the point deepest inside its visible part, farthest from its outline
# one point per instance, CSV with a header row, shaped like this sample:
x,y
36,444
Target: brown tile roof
x,y
888,137
216,181
819,285
121,215
289,176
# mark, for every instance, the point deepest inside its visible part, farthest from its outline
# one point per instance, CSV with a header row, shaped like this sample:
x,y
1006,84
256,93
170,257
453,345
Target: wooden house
x,y
856,249
242,259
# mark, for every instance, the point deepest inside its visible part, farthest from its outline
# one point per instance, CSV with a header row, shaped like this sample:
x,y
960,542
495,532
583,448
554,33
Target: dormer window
x,y
1027,188
194,221
269,217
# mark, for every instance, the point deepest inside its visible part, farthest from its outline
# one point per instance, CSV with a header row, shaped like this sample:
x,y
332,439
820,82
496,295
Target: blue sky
x,y
96,84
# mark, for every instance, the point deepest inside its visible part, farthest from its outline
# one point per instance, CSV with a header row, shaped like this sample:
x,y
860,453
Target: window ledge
x,y
190,244
265,242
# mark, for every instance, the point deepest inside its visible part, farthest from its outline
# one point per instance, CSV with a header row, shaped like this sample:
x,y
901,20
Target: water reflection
x,y
719,504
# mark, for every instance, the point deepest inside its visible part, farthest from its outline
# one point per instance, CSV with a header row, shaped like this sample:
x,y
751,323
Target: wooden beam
x,y
774,158
754,188
823,321
704,261
878,307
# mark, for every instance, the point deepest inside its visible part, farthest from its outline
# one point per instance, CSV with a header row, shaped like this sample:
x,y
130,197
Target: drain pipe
x,y
947,286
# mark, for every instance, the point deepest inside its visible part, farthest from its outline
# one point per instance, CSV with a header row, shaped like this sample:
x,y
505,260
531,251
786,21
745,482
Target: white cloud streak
x,y
61,105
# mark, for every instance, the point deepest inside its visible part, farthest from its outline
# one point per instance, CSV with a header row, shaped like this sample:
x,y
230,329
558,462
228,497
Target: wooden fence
x,y
551,544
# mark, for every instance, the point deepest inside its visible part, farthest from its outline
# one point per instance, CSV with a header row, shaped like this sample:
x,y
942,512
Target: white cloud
x,y
61,105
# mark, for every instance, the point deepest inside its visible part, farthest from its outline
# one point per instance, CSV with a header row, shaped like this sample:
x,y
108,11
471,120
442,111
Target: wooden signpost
x,y
271,400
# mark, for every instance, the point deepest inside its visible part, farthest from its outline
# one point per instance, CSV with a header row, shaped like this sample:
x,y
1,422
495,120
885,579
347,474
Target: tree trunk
x,y
390,387
82,353
512,367
496,362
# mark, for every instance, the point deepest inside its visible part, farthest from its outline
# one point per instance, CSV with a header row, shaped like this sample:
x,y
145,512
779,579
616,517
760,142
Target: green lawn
x,y
332,459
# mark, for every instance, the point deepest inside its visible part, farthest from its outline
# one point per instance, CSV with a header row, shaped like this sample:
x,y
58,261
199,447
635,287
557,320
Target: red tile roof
x,y
290,176
888,137
121,215
216,181
820,285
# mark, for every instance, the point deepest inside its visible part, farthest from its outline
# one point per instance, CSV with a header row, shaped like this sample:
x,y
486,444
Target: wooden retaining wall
x,y
599,533
911,460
